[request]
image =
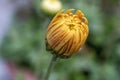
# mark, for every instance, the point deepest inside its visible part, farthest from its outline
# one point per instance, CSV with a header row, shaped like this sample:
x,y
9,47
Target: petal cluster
x,y
51,6
67,33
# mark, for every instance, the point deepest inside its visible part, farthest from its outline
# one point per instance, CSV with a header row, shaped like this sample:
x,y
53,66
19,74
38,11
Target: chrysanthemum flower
x,y
51,6
67,33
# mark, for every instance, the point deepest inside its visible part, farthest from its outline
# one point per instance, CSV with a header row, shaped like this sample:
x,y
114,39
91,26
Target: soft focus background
x,y
22,42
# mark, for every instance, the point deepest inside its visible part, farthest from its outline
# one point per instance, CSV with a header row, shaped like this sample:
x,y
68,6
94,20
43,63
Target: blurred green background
x,y
99,58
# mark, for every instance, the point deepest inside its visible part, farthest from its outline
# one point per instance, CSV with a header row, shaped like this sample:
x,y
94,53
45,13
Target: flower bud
x,y
67,33
51,6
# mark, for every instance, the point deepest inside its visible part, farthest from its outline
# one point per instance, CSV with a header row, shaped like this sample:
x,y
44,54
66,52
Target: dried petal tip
x,y
67,33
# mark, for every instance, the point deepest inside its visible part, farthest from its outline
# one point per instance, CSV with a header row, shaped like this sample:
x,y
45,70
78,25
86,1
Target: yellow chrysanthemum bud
x,y
67,33
51,6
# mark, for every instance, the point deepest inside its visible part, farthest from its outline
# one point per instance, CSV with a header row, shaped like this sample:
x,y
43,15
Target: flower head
x,y
51,6
67,33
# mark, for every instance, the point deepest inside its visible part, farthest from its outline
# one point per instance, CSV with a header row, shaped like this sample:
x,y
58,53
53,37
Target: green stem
x,y
51,65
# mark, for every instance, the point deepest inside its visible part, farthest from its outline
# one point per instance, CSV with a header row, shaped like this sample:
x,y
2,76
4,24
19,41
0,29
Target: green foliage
x,y
19,77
